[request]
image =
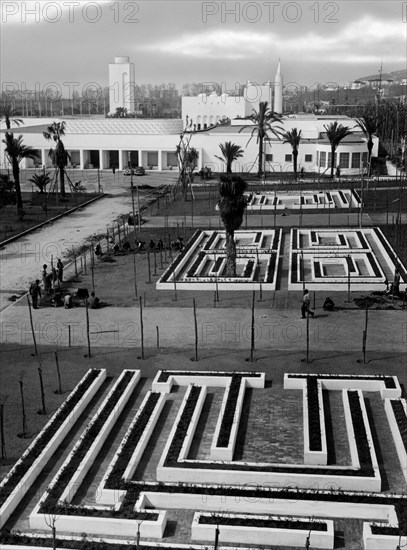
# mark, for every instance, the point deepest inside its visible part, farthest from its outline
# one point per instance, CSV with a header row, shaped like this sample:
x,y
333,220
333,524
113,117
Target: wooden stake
x,y
23,408
134,271
44,410
252,330
157,330
175,286
149,267
196,332
58,372
3,443
32,327
141,329
87,327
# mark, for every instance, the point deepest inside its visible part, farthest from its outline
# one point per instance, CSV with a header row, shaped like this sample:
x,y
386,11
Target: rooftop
x,y
112,126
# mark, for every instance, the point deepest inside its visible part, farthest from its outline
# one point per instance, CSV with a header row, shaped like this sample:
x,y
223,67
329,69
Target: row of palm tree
x,y
262,121
232,202
16,152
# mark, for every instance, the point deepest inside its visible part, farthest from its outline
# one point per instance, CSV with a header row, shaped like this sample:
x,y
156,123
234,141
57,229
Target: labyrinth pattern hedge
x,y
271,499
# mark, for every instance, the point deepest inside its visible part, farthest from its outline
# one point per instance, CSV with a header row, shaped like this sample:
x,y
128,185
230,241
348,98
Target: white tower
x,y
121,84
278,91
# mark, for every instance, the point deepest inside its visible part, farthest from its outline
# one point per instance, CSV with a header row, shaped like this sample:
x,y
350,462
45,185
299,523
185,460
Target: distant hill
x,y
394,75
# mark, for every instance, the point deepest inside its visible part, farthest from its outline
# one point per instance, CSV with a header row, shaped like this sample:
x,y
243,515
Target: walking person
x,y
305,306
35,292
396,282
60,270
44,275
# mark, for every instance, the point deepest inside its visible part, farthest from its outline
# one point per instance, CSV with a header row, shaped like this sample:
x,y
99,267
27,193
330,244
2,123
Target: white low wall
x,y
279,479
314,457
170,281
312,479
401,450
102,526
381,542
202,379
226,453
93,451
114,496
351,382
260,535
186,445
277,506
190,432
35,469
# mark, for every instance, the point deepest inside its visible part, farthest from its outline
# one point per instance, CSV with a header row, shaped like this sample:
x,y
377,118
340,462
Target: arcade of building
x,y
107,143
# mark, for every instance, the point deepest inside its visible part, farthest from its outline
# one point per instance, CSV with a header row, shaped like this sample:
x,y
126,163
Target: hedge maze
x,y
222,495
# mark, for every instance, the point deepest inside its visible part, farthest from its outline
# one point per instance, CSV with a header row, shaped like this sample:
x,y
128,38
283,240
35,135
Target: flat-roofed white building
x,y
106,143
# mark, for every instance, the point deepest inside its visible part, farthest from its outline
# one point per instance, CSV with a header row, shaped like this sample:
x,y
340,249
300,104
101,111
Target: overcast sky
x,y
194,41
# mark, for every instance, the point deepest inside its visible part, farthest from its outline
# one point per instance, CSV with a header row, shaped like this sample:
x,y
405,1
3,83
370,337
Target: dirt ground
x,y
20,363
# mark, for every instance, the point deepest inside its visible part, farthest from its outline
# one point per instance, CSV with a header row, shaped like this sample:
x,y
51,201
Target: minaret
x,y
121,84
278,91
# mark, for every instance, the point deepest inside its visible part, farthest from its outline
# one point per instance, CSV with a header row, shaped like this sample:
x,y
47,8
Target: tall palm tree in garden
x,y
336,133
293,137
16,152
369,124
232,204
230,153
262,121
8,113
59,155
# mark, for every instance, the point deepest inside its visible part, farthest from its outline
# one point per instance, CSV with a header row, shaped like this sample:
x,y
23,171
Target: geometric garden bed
x,y
202,263
249,502
341,259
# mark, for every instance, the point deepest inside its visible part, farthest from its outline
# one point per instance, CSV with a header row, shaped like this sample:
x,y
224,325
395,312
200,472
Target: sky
x,y
71,43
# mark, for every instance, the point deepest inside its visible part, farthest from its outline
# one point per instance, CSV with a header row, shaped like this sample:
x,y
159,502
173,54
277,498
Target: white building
x,y
206,110
107,142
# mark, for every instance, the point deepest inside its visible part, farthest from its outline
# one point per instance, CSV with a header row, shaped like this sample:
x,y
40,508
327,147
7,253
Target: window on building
x,y
308,158
322,159
198,126
152,158
269,157
344,160
355,160
288,158
364,159
205,126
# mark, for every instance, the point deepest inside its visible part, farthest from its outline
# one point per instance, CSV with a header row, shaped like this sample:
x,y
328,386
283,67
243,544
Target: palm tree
x,y
293,137
16,152
230,153
262,120
41,181
58,155
336,133
232,204
369,124
8,113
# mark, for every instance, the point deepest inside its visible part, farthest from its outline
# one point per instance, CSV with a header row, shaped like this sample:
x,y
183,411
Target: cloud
x,y
218,44
366,40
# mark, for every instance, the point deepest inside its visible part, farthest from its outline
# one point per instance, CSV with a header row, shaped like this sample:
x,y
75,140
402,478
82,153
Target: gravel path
x,y
21,261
